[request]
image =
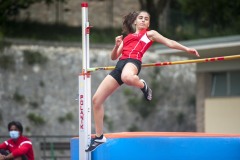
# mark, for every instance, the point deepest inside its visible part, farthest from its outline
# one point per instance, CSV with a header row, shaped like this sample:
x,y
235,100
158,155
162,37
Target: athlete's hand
x,y
2,157
118,40
193,51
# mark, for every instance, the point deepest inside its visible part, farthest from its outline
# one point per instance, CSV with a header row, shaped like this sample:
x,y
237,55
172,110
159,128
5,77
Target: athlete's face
x,y
142,21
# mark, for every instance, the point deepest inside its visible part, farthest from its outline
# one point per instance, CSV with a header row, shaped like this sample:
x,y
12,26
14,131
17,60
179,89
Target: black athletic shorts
x,y
117,72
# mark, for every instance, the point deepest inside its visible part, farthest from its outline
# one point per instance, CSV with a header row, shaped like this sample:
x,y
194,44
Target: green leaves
x,y
217,13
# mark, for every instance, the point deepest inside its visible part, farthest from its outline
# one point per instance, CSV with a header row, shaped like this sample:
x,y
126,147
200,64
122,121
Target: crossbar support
x,y
84,80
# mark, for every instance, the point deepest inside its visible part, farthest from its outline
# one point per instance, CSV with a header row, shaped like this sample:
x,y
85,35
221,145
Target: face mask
x,y
14,134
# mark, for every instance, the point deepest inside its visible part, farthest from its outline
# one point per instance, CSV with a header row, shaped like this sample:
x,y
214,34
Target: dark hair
x,y
17,124
128,21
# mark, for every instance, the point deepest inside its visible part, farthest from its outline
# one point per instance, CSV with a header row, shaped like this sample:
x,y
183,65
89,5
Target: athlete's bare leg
x,y
129,76
105,89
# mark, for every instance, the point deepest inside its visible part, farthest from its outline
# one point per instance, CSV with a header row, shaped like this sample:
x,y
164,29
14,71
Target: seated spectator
x,y
17,147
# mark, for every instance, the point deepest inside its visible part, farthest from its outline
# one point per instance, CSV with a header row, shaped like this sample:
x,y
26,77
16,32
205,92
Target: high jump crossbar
x,y
203,60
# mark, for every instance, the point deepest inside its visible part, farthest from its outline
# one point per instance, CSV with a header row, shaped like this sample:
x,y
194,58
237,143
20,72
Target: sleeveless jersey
x,y
22,146
135,45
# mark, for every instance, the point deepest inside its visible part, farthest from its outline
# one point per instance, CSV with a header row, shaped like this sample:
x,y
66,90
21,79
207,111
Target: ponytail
x,y
128,20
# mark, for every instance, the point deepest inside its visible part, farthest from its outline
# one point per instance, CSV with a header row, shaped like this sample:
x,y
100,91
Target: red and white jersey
x,y
135,45
22,146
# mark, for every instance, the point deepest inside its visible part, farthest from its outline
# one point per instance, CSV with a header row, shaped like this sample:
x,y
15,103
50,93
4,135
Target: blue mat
x,y
165,148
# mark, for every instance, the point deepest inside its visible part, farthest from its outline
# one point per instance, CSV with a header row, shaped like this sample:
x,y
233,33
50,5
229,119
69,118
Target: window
x,y
226,83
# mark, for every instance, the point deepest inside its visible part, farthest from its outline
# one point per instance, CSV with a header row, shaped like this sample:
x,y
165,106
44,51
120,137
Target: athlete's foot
x,y
147,92
95,142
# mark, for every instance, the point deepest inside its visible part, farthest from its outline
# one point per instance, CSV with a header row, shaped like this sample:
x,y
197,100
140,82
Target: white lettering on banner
x,y
81,114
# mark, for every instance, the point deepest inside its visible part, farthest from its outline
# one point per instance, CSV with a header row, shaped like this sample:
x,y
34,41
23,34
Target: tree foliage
x,y
220,13
216,15
154,8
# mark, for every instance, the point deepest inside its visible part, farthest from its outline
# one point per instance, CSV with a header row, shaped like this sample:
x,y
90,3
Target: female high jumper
x,y
130,51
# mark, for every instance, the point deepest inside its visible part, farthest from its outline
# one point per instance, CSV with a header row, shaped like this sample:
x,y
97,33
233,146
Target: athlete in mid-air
x,y
129,51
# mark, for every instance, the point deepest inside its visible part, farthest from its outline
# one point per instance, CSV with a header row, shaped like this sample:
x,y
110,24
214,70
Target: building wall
x,y
202,92
106,13
216,114
222,115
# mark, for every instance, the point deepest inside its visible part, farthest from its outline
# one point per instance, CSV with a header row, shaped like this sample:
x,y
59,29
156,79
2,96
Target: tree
x,y
155,8
215,14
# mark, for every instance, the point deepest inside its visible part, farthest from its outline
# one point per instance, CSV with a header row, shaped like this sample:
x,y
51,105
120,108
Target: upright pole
x,y
84,90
